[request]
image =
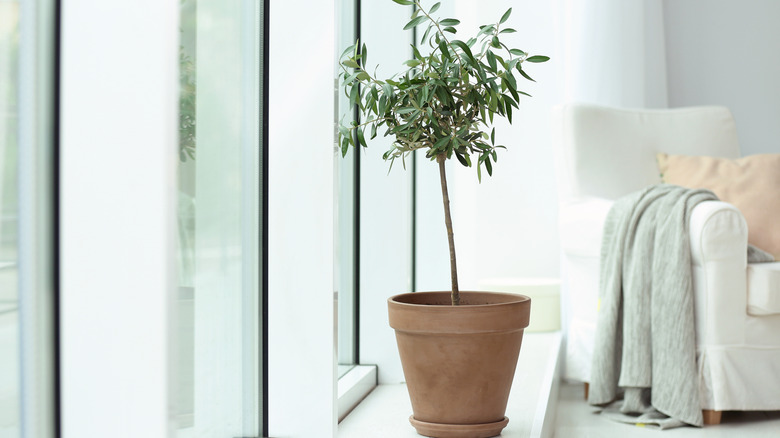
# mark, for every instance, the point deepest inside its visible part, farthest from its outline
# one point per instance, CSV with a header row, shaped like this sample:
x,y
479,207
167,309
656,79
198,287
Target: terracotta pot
x,y
459,361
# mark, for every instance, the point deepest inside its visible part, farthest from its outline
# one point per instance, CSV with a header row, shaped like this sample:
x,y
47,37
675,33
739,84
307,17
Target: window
x,y
347,207
27,257
9,210
218,343
375,227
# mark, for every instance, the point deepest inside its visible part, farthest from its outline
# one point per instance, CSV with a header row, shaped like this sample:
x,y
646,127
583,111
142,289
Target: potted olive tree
x,y
458,349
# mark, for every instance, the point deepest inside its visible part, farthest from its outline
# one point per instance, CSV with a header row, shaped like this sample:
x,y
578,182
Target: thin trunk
x,y
450,237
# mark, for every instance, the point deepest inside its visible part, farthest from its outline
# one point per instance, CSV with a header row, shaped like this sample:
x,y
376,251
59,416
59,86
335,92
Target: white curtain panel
x,y
613,52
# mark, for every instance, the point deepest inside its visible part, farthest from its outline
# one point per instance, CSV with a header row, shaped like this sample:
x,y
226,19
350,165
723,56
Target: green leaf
x,y
343,130
404,2
524,74
364,53
425,35
412,63
444,51
450,29
347,50
387,89
414,22
351,78
344,147
493,137
538,58
505,16
517,52
435,7
350,63
465,48
509,77
492,60
363,76
513,91
479,172
462,159
441,143
449,22
507,30
416,52
361,137
353,95
495,42
486,29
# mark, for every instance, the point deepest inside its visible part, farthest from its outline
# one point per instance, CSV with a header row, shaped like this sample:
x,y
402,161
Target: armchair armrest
x,y
718,231
718,235
581,227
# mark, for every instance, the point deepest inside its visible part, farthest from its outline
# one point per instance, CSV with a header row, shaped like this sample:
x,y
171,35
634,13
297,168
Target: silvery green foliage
x,y
444,101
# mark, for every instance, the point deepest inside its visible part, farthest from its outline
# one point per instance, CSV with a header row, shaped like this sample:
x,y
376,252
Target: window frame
x,y
117,287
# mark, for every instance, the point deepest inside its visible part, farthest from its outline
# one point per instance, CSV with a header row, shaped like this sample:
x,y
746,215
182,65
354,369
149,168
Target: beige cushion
x,y
752,184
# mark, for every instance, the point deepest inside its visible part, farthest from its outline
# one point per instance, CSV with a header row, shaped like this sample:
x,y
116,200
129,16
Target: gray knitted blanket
x,y
645,344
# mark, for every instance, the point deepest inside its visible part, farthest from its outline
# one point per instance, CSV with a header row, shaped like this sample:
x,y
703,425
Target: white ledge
x,y
354,386
531,408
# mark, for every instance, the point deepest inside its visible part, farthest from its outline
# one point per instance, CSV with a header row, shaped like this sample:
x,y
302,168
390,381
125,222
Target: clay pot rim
x,y
511,299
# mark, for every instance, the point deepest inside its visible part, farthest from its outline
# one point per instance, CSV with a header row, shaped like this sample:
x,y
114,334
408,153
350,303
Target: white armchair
x,y
603,154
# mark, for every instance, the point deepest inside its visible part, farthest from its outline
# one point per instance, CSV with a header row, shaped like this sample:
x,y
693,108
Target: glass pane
x,y
9,209
346,208
218,379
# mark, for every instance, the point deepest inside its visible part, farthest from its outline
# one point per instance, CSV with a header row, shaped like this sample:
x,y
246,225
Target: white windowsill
x,y
354,386
531,408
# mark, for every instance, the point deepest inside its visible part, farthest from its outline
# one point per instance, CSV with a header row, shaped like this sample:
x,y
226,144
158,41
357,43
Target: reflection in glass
x,y
9,210
217,338
346,261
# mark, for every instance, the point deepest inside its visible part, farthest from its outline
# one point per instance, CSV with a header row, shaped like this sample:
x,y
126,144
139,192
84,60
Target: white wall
x,y
724,52
301,326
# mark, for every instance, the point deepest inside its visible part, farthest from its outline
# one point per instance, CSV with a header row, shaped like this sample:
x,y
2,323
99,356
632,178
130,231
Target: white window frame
x,y
301,304
36,218
118,155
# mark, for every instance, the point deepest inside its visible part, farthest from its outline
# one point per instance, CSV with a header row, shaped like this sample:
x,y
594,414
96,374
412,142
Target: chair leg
x,y
587,388
711,417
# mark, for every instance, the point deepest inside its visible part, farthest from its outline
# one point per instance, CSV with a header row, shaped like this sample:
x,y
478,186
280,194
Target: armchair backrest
x,y
610,152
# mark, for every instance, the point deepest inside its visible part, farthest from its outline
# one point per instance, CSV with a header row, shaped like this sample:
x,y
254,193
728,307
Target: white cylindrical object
x,y
544,294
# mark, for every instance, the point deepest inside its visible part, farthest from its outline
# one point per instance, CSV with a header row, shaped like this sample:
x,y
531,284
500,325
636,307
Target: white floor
x,y
576,419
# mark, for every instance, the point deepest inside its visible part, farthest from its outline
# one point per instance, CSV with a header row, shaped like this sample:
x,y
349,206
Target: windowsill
x,y
354,386
531,408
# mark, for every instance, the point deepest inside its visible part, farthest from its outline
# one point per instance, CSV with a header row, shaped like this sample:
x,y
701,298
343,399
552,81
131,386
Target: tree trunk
x,y
450,237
